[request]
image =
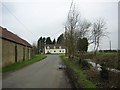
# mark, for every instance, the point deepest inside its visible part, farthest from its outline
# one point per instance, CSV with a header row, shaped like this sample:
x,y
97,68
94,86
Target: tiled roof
x,y
5,34
57,46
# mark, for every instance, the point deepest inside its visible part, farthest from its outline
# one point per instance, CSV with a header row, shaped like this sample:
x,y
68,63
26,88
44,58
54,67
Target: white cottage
x,y
55,49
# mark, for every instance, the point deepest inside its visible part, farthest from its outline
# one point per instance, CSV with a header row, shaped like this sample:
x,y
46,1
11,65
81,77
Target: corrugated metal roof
x,y
5,34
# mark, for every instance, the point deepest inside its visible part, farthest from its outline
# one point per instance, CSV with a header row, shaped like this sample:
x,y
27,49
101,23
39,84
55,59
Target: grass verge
x,y
19,65
80,79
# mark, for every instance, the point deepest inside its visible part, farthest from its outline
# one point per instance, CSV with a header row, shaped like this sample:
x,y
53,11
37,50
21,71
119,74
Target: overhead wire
x,y
26,28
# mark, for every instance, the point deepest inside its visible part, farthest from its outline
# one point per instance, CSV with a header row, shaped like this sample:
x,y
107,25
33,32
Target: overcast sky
x,y
31,19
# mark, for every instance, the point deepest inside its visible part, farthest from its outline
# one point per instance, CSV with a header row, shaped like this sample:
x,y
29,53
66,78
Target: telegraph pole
x,y
110,45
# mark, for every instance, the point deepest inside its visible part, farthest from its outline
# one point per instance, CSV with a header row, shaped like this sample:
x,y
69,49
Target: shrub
x,y
85,64
104,72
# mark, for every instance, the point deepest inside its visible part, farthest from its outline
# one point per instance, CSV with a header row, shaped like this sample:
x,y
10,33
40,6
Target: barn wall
x,y
0,53
26,53
29,53
8,52
20,52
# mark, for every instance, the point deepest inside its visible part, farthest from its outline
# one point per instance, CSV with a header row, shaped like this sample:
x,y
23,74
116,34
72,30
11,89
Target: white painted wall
x,y
55,51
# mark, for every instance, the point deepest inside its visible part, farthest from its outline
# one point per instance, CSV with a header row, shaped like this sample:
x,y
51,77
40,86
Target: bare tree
x,y
34,49
83,28
76,28
98,31
70,27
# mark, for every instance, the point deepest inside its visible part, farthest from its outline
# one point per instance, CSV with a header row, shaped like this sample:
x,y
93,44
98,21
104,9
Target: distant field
x,y
111,59
110,54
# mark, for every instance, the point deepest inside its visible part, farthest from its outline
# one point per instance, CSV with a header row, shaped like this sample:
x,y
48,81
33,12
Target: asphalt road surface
x,y
42,74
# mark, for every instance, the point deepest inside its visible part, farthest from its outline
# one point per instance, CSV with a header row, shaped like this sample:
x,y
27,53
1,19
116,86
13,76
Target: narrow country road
x,y
42,74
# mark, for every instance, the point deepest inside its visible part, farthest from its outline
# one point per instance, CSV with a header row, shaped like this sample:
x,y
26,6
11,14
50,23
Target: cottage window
x,y
59,47
54,51
63,51
60,51
48,47
54,47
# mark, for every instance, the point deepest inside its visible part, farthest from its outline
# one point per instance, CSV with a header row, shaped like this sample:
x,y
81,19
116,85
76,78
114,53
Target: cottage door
x,y
15,53
23,53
